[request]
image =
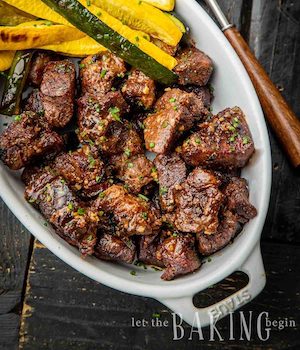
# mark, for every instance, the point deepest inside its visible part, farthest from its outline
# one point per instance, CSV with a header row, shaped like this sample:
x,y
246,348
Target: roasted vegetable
x,y
177,22
11,16
6,59
136,51
38,9
34,34
15,82
76,48
141,16
166,5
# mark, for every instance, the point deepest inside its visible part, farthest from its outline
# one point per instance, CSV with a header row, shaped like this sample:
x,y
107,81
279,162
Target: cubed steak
x,y
28,139
113,248
237,196
197,203
229,227
134,215
83,170
38,66
57,92
71,218
194,67
135,171
204,93
179,256
96,114
139,89
223,142
34,103
171,171
148,248
177,111
99,72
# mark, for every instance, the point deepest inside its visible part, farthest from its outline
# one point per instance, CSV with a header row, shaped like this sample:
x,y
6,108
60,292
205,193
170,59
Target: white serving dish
x,y
232,87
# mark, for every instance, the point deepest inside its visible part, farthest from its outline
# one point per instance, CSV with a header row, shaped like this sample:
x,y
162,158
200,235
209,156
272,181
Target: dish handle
x,y
201,317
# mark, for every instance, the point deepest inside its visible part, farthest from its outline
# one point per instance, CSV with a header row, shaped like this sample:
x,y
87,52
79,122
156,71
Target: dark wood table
x,y
45,304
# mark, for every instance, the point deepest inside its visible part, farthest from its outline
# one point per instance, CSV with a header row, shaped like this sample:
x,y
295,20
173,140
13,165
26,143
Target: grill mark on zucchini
x,y
15,82
85,21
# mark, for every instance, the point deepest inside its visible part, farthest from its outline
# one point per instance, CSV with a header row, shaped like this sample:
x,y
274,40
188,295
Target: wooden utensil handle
x,y
280,116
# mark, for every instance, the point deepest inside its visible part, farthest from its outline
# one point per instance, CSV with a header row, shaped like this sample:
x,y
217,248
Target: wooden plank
x,y
14,248
65,310
275,39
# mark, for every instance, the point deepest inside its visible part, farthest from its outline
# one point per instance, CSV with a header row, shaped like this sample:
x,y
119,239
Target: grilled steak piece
x,y
194,67
39,63
28,139
98,73
197,203
114,248
229,227
121,138
135,171
179,256
225,141
72,219
171,171
57,92
139,89
148,246
177,112
237,196
34,103
83,170
203,93
95,116
133,215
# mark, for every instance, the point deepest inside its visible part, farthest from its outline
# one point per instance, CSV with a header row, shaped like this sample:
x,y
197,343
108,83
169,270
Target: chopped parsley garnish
x,y
198,141
175,108
165,124
141,196
130,165
18,118
175,234
102,195
133,273
98,179
127,152
70,206
151,144
63,181
154,170
144,215
81,211
45,223
81,65
172,100
163,190
246,140
103,73
31,200
101,213
92,160
115,112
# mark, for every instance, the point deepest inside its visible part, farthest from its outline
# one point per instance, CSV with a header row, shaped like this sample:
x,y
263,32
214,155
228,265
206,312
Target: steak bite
x,y
237,196
204,93
83,170
96,115
135,171
28,139
57,92
176,114
34,103
98,73
171,171
229,227
224,141
148,246
194,67
38,66
197,203
121,138
71,218
114,248
179,256
139,89
133,215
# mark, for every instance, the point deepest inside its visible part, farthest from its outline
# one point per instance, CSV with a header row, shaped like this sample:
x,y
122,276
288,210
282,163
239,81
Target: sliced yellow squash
x,y
34,34
133,36
76,48
38,9
177,22
166,5
141,16
6,59
11,16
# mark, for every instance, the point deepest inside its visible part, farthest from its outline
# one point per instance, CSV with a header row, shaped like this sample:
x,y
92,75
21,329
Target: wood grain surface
x,y
61,309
